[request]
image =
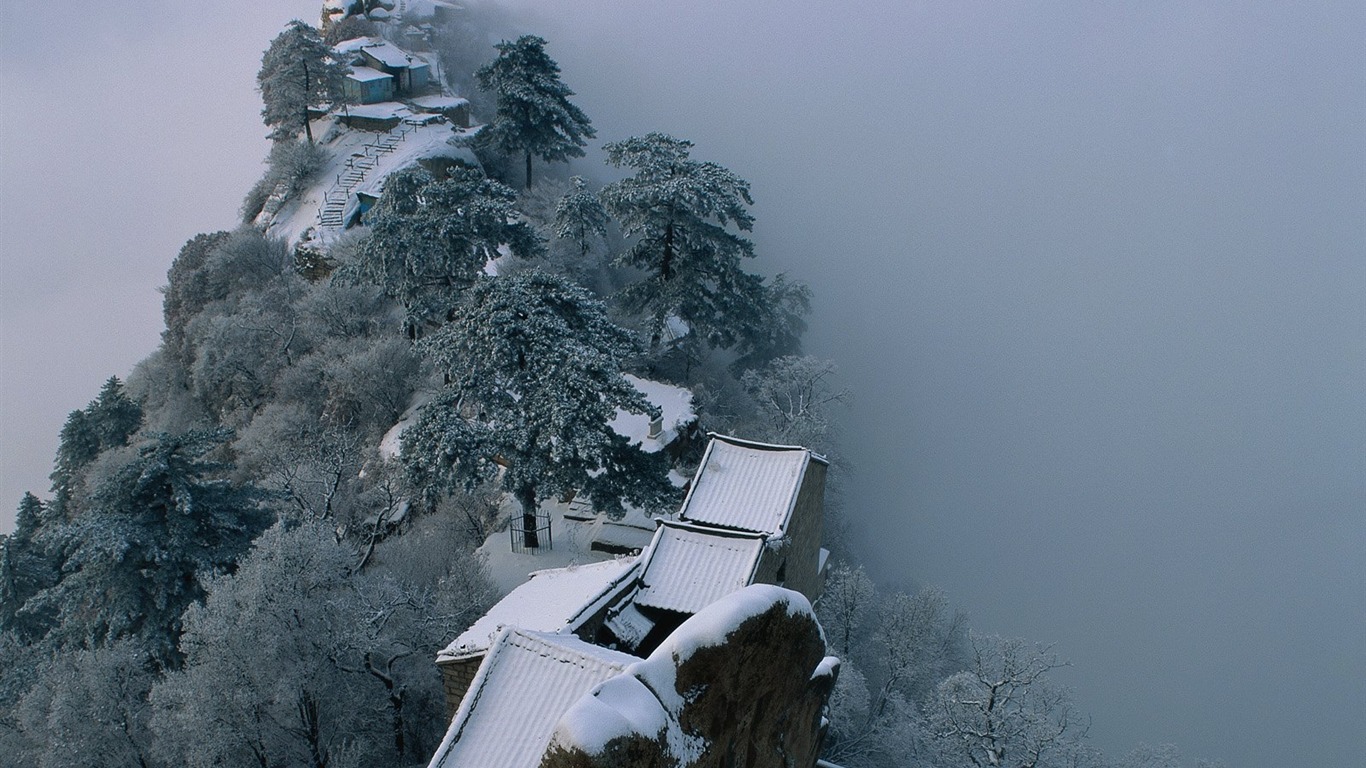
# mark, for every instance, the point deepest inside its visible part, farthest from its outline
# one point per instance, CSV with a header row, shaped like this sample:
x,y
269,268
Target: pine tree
x,y
297,72
535,380
534,115
26,568
579,217
155,527
114,415
679,211
430,238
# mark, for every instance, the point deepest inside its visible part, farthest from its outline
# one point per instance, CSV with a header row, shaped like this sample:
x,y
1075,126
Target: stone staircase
x,y
332,212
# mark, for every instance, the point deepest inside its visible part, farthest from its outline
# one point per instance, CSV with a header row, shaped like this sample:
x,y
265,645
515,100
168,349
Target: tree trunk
x,y
308,88
666,264
530,537
528,170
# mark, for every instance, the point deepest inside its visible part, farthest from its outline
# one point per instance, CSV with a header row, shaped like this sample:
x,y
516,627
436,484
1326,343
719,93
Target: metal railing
x,y
517,535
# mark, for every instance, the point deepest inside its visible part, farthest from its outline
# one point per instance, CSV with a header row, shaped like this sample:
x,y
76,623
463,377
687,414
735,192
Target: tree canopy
x,y
535,371
534,114
430,238
156,525
680,211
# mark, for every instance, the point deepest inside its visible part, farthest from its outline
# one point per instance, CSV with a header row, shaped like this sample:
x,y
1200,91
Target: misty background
x,y
1095,273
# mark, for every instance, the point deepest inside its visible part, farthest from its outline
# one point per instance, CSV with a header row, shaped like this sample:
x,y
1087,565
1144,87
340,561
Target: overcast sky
x,y
1095,271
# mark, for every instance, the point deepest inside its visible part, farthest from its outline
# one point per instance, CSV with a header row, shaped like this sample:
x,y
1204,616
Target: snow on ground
x,y
570,544
675,403
390,444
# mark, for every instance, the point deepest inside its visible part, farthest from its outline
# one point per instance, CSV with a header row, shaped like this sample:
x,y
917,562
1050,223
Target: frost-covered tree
x,y
345,678
794,397
680,211
241,701
430,238
298,71
535,371
844,607
534,117
90,708
919,640
154,528
580,217
26,568
1004,710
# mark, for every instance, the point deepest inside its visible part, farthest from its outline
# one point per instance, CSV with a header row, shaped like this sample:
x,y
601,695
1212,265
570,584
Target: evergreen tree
x,y
430,238
25,569
133,562
114,415
107,422
579,217
534,115
535,380
77,446
679,210
297,72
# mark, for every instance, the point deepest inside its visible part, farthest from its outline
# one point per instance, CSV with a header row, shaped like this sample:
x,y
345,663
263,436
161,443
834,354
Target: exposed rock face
x,y
743,683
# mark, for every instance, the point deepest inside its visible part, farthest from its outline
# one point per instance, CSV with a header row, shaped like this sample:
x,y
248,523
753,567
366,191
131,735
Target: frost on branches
x,y
534,366
534,114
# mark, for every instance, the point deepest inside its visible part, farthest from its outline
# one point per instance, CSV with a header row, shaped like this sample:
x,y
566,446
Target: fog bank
x,y
1096,276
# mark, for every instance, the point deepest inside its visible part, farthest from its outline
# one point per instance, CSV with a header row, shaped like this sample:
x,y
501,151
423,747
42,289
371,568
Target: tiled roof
x,y
687,568
524,686
746,486
551,600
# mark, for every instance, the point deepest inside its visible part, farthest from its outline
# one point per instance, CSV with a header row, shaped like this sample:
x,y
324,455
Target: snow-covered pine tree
x,y
25,569
154,528
579,217
535,370
298,71
429,239
679,211
534,114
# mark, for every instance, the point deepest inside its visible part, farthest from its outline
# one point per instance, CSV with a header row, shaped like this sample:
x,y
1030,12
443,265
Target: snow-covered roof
x,y
551,600
390,55
356,43
524,686
624,535
747,486
366,74
687,568
674,404
440,102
